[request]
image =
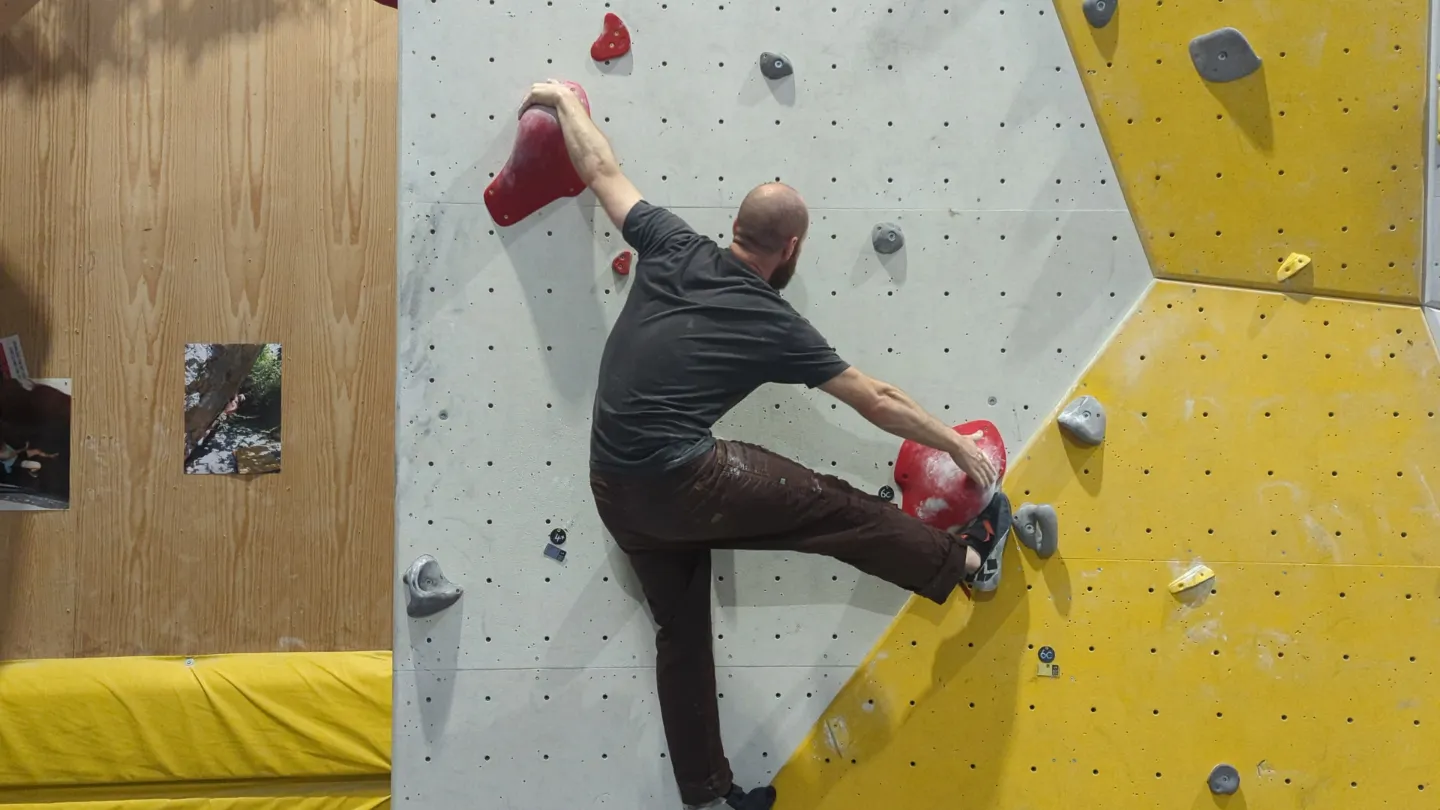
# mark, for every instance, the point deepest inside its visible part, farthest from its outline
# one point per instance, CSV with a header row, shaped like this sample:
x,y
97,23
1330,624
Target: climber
x,y
701,329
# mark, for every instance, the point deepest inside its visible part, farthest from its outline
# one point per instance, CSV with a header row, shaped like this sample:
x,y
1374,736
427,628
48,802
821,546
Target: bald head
x,y
771,216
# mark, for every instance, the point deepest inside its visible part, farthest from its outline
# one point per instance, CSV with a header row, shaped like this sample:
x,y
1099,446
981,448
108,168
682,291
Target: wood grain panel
x,y
230,178
13,10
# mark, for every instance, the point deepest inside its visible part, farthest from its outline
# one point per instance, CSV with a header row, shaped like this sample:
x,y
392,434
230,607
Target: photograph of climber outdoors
x,y
34,444
232,408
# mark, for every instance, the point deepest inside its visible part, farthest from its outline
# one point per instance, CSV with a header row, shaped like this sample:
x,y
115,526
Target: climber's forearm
x,y
588,148
595,162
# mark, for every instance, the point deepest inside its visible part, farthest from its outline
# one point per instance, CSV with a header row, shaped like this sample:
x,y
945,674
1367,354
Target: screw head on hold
x,y
1100,5
557,536
1047,654
887,492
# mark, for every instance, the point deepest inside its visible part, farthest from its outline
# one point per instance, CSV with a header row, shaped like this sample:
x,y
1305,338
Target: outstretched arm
x,y
893,411
589,150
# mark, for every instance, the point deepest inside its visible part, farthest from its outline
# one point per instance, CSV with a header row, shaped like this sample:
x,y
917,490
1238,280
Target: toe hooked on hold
x,y
986,534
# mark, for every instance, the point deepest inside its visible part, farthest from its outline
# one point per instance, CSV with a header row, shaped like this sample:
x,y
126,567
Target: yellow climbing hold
x,y
1293,264
1199,575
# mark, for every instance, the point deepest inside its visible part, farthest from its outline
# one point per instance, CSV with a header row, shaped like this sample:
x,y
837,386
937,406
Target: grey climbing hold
x,y
775,65
1038,528
1224,780
887,237
1084,420
427,591
1099,12
1223,55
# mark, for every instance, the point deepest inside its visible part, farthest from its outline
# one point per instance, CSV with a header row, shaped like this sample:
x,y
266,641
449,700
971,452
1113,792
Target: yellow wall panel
x,y
1251,426
1321,151
1289,443
1301,688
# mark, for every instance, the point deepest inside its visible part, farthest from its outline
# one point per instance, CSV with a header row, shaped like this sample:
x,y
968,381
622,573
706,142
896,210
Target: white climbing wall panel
x,y
964,122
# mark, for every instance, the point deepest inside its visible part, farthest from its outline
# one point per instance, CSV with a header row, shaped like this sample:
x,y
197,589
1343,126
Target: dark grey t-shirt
x,y
699,332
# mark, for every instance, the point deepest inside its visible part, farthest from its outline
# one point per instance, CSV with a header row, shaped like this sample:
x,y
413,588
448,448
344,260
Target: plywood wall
x,y
174,171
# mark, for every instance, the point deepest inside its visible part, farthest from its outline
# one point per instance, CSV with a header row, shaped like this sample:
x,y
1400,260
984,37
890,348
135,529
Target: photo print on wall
x,y
232,408
34,436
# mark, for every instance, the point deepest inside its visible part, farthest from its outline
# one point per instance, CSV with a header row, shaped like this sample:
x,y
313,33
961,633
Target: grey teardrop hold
x,y
775,65
1038,528
1224,780
1084,420
1099,12
1223,55
887,237
427,591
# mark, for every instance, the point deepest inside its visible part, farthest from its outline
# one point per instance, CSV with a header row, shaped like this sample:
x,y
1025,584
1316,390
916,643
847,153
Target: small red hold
x,y
613,43
935,490
539,170
621,265
390,3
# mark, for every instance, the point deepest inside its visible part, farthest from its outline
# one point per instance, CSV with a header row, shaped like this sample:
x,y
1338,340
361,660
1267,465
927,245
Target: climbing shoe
x,y
761,798
986,534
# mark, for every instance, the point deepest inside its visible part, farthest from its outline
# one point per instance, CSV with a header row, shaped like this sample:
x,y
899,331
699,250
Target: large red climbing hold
x,y
621,264
539,170
938,492
613,43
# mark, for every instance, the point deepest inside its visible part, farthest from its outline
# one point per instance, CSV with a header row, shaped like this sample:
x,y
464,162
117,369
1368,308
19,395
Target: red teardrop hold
x,y
938,492
539,171
613,43
621,265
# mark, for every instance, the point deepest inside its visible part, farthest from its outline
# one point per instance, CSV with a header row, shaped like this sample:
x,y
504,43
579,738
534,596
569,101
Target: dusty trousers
x,y
740,496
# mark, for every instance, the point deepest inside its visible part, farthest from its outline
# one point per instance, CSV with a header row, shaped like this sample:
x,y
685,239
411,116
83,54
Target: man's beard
x,y
782,275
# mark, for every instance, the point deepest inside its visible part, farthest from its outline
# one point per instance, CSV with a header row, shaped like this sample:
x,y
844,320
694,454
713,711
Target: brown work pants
x,y
740,496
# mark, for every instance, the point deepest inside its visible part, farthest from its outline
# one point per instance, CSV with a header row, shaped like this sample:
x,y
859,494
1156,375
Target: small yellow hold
x,y
1293,264
1199,575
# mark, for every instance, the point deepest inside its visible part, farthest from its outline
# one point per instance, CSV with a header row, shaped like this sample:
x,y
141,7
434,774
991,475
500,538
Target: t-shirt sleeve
x,y
650,228
804,357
